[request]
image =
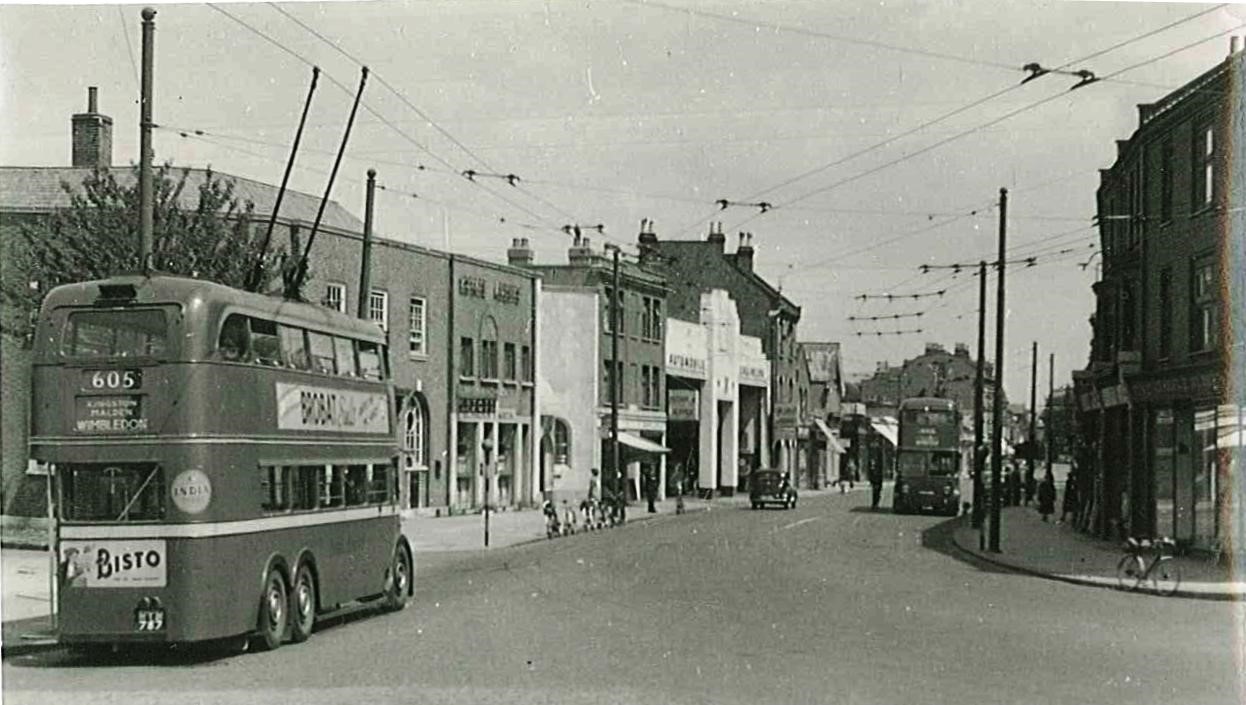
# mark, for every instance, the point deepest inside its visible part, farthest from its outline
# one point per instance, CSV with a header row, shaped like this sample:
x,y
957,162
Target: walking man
x,y
876,481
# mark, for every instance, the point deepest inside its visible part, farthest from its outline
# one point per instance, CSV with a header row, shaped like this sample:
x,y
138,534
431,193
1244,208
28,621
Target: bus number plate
x,y
112,380
149,620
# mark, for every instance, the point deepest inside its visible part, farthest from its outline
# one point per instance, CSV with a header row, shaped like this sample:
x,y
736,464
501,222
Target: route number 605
x,y
115,379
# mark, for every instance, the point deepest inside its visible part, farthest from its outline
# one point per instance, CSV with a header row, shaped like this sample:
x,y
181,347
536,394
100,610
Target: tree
x,y
97,236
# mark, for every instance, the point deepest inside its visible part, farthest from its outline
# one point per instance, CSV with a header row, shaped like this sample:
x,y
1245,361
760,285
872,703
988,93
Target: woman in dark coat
x,y
1047,496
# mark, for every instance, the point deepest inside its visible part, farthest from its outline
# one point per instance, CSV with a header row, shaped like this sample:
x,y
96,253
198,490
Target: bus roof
x,y
165,288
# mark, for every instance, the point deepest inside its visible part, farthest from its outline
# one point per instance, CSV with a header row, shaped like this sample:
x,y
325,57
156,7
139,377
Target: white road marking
x,y
798,523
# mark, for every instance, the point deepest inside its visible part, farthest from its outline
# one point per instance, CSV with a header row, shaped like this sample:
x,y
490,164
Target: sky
x,y
878,134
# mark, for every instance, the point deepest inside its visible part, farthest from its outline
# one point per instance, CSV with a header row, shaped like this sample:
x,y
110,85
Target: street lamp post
x,y
487,445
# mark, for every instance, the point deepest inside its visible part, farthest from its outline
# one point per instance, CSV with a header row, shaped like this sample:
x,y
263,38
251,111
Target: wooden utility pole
x,y
1029,457
979,455
997,406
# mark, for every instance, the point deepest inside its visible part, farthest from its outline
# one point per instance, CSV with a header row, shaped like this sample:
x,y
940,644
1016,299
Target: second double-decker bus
x,y
224,462
928,457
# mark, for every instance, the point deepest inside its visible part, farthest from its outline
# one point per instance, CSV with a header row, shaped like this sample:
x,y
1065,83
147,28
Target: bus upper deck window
x,y
265,348
235,339
370,360
322,355
344,350
294,348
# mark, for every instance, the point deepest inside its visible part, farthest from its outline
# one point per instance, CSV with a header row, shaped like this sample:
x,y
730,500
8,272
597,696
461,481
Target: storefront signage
x,y
685,365
753,374
303,407
478,406
114,413
785,415
1184,388
682,404
473,286
506,293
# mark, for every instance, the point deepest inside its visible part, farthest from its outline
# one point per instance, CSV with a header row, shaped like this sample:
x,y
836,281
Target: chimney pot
x,y
92,93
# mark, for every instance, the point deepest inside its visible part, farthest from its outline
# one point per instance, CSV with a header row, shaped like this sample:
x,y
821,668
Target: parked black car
x,y
771,487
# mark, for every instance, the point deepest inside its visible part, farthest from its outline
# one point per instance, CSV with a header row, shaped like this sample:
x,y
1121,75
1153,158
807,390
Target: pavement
x,y
1059,552
1028,545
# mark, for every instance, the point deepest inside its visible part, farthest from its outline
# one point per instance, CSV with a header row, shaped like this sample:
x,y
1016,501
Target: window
x,y
344,351
265,345
378,308
370,361
415,319
323,358
607,323
658,323
508,362
293,348
489,350
113,492
562,441
1203,323
1166,177
1137,207
1203,176
234,343
644,383
467,357
357,485
275,481
128,333
1165,314
525,362
413,435
332,486
489,359
382,483
335,297
306,486
1129,317
615,381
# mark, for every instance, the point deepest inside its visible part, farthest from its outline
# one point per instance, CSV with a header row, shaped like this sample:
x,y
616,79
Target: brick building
x,y
1161,401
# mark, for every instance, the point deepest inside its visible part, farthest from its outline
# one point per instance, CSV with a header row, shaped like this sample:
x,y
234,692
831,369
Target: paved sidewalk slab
x,y
1059,552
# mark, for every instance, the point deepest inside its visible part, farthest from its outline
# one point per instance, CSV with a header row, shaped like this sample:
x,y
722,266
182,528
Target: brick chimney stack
x,y
520,253
581,251
92,135
744,253
716,234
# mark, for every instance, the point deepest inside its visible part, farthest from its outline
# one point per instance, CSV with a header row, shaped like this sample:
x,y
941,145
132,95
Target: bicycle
x,y
1163,573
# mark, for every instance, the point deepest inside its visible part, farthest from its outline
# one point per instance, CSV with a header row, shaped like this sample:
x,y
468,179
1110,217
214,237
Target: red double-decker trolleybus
x,y
928,457
224,462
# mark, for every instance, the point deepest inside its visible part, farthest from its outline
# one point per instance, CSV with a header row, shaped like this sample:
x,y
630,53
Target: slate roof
x,y
34,189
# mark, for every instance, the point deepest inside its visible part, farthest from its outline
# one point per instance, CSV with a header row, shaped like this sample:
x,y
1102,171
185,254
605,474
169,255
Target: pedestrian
x,y
876,481
1069,503
1047,496
1015,482
650,479
846,470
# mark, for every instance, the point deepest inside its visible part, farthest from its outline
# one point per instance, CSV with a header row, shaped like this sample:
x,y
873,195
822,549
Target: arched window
x,y
489,349
414,435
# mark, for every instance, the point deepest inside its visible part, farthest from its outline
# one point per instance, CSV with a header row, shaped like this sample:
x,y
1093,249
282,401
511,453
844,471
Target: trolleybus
x,y
928,457
224,462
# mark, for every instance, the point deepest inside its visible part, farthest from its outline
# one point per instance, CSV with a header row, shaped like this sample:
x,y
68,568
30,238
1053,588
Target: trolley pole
x,y
997,405
979,506
365,264
146,201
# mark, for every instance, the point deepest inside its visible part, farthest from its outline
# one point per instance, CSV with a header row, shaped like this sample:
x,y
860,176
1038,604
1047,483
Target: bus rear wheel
x,y
274,612
398,584
303,604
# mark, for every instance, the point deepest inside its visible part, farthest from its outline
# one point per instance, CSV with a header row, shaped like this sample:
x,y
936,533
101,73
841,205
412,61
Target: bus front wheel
x,y
303,604
398,584
274,612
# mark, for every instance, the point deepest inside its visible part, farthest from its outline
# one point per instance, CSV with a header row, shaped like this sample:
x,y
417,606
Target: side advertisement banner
x,y
302,407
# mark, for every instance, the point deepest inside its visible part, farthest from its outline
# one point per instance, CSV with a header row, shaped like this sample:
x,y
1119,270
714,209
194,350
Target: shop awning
x,y
832,442
633,441
886,427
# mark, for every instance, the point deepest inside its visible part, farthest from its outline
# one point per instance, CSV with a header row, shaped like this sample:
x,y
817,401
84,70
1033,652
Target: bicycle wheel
x,y
1166,577
1129,572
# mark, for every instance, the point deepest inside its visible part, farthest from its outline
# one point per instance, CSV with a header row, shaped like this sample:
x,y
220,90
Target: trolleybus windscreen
x,y
116,333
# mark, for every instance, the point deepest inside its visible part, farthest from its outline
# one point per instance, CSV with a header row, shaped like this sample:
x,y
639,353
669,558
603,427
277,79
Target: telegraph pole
x,y
979,508
997,408
1051,395
146,201
1029,460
